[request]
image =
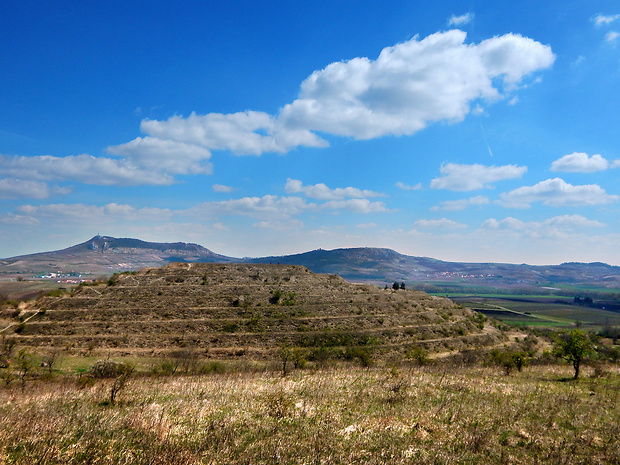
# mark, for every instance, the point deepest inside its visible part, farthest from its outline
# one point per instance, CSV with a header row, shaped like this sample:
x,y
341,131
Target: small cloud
x,y
472,177
550,227
356,206
282,225
612,36
580,59
165,155
406,187
513,101
19,220
579,162
441,223
462,204
460,20
222,188
322,192
600,20
478,110
556,193
22,188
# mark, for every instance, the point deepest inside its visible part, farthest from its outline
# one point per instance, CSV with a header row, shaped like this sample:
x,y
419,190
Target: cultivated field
x,y
541,311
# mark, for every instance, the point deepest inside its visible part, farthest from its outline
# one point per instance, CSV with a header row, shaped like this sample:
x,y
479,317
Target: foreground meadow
x,y
432,414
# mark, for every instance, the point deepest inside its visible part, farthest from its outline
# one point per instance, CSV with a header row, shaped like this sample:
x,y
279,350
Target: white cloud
x,y
458,177
268,207
356,206
605,19
580,59
406,187
91,213
612,36
579,162
460,20
280,225
462,204
615,164
19,220
412,84
441,223
322,192
409,86
222,188
165,155
11,188
244,133
558,225
81,168
556,193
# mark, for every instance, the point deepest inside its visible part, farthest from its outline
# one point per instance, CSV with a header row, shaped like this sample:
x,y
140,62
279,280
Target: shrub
x,y
509,359
108,369
276,295
418,355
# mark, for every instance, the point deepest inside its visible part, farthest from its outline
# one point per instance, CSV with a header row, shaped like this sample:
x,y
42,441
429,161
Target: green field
x,y
539,311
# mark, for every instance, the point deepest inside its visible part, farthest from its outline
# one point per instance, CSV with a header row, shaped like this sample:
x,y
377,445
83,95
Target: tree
x,y
285,354
24,366
395,286
573,347
402,286
120,382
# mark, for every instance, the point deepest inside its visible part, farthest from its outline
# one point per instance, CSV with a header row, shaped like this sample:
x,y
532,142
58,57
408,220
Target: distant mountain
x,y
385,265
106,255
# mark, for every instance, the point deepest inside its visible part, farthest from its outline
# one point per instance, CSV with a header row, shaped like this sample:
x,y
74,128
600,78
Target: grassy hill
x,y
232,311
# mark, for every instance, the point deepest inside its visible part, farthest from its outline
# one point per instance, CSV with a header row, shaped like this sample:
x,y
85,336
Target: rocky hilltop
x,y
246,311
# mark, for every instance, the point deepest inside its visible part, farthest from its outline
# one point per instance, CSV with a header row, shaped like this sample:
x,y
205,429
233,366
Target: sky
x,y
477,131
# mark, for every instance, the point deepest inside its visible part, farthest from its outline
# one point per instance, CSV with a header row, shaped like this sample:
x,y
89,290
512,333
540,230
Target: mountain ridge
x,y
107,254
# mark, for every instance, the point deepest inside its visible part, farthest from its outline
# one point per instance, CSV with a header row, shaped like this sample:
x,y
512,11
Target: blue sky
x,y
464,131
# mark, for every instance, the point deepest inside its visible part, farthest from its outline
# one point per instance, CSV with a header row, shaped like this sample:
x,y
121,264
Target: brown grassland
x,y
438,413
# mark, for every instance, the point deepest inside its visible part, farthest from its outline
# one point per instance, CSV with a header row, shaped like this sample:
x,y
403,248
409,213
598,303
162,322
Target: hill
x,y
243,311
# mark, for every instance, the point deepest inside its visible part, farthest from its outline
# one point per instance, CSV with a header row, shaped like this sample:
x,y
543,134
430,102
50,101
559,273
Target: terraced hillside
x,y
246,311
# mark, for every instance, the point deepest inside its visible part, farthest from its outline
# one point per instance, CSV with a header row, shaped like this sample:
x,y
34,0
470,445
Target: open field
x,y
433,414
540,311
28,289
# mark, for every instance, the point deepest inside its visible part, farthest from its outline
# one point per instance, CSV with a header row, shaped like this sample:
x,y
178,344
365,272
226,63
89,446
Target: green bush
x,y
108,369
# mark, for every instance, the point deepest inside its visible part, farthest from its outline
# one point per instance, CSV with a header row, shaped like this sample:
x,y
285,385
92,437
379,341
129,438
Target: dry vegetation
x,y
434,414
265,364
250,311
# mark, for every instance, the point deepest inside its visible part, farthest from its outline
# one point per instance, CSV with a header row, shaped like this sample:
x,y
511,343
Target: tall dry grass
x,y
344,415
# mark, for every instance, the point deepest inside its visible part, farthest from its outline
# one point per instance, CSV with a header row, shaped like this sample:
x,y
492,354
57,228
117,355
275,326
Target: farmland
x,y
559,312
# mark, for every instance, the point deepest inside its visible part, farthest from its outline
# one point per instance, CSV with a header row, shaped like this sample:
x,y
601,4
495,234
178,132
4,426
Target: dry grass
x,y
343,415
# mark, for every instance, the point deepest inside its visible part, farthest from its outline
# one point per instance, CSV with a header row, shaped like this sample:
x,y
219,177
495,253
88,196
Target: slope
x,y
246,310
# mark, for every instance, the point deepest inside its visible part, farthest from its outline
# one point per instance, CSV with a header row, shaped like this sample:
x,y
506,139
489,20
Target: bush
x,y
108,369
509,359
418,355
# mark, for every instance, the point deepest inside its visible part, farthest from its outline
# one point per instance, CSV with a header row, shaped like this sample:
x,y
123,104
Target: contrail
x,y
485,140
